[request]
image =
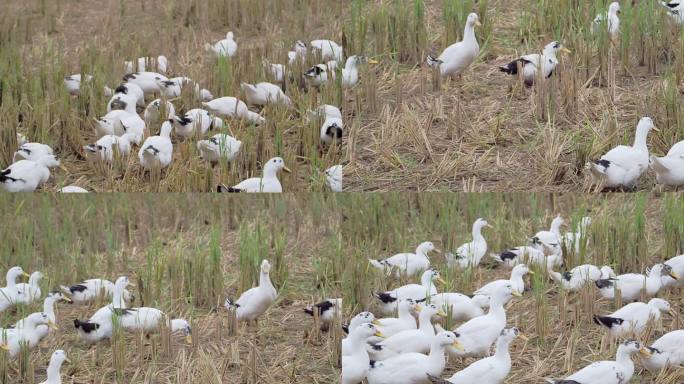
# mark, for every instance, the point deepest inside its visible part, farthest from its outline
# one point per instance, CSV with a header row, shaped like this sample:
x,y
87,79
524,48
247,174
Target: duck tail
x,y
510,68
433,61
377,264
607,321
658,165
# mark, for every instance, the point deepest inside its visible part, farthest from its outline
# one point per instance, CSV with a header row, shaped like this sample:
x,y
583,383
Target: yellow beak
x,y
516,293
645,352
418,308
67,360
286,169
565,50
52,325
375,322
25,274
674,275
188,339
379,334
441,280
656,129
457,345
478,24
68,300
672,312
371,61
5,347
523,337
441,313
489,226
436,250
531,272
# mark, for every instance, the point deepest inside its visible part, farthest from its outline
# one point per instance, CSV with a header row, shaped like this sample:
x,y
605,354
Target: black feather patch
x,y
607,321
87,327
77,288
567,276
121,89
345,328
223,189
512,67
183,120
604,163
129,76
385,297
376,347
506,255
604,283
334,131
121,311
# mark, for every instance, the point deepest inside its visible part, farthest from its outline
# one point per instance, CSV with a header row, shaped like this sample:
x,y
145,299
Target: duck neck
x,y
405,313
517,278
53,372
436,358
49,308
33,281
469,34
270,173
623,357
496,307
11,279
118,296
654,280
640,139
502,352
358,346
425,323
550,53
265,280
555,276
477,233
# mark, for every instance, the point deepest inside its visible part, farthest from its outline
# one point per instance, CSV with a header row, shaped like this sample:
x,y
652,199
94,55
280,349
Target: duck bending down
x,y
459,56
522,254
223,48
255,301
417,292
633,317
530,64
407,263
49,302
149,320
267,183
490,370
517,281
100,326
630,285
89,290
469,255
413,368
219,147
265,93
356,363
576,278
619,371
623,165
27,175
32,151
27,336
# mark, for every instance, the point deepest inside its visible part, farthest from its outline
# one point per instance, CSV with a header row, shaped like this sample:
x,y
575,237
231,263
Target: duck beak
x,y
489,226
66,360
656,129
52,325
516,293
645,352
672,312
188,339
441,280
68,300
371,61
418,308
531,272
379,334
286,169
565,50
674,275
478,24
25,274
441,313
375,322
523,337
457,345
5,347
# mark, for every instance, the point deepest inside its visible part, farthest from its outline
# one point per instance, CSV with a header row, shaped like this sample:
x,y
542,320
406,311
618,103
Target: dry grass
x,y
165,246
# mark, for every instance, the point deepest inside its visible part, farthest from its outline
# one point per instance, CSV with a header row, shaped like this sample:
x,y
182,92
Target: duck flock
x,y
129,123
408,345
28,332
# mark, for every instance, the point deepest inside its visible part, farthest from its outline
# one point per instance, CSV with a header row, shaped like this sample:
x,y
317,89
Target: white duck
x,y
490,370
9,293
321,74
100,326
549,241
267,183
576,278
675,9
358,320
328,49
469,255
356,363
517,281
255,301
350,72
149,320
223,48
131,89
574,240
324,111
119,122
196,121
413,368
299,52
459,306
407,263
104,147
622,166
669,169
390,326
630,285
633,317
147,81
72,83
410,340
171,88
276,71
30,292
666,352
219,146
333,176
478,334
154,112
522,254
457,57
417,292
15,338
619,371
27,175
227,106
677,265
123,102
332,130
49,309
157,151
87,291
54,375
611,18
327,311
32,151
21,139
264,94
531,63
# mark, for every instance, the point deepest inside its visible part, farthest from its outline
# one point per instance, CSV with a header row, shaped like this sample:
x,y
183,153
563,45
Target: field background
x,y
185,254
403,130
628,232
